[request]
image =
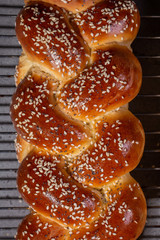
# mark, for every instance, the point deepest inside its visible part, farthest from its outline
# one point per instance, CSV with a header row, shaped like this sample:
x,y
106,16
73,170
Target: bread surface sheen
x,y
76,139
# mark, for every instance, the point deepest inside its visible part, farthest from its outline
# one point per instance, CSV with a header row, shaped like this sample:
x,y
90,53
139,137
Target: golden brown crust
x,y
109,21
71,5
48,189
23,148
111,81
37,120
36,25
37,227
125,213
117,150
76,141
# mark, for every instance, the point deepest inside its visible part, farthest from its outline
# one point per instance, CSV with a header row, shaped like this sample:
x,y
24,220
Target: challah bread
x,y
70,5
45,185
23,148
112,80
33,105
116,150
77,141
35,226
67,55
123,218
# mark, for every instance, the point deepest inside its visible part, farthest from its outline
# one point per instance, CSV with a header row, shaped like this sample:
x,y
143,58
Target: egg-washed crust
x,y
116,151
109,21
70,5
38,227
113,79
44,183
123,218
37,120
36,24
76,141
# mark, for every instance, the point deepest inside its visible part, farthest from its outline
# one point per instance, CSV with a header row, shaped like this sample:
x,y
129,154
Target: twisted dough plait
x,y
77,141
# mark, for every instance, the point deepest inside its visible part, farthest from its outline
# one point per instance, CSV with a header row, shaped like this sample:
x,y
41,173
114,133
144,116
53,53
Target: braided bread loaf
x,y
77,141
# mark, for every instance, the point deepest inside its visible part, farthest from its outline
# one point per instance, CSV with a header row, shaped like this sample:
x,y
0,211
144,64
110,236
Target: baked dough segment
x,y
48,39
38,227
116,151
123,219
71,5
39,122
45,185
113,79
52,136
109,21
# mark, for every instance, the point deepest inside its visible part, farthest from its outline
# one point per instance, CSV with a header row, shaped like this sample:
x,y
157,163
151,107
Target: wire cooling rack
x,y
146,106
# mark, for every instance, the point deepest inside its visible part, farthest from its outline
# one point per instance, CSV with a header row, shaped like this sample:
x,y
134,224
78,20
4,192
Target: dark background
x,y
146,106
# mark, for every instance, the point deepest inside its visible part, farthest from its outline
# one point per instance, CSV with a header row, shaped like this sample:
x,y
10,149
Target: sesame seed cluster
x,y
77,141
117,17
111,81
